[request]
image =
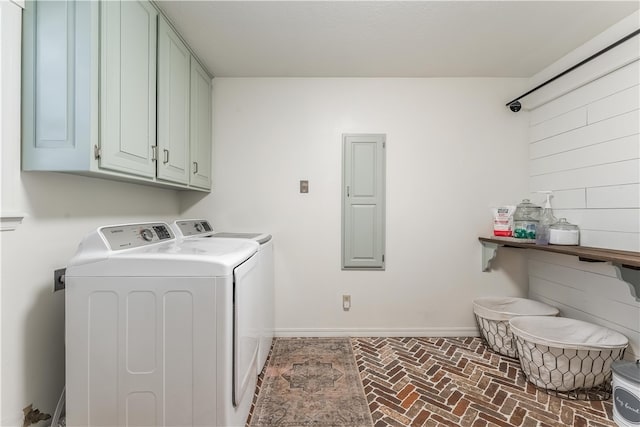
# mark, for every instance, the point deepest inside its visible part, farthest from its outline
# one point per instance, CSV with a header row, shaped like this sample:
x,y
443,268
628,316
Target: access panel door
x,y
363,202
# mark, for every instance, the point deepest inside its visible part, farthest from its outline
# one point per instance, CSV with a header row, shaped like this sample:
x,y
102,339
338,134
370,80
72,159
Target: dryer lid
x,y
261,238
201,228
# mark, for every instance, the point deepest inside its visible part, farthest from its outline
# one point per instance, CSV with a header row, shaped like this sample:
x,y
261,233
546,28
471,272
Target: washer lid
x,y
101,255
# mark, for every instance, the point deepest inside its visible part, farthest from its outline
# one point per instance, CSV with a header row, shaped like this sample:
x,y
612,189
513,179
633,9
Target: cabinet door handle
x,y
347,191
195,168
166,156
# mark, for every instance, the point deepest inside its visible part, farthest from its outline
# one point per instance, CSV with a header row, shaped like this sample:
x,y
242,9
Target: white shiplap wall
x,y
585,146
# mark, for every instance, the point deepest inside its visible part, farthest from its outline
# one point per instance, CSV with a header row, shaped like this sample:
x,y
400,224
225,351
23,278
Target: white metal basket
x,y
567,355
493,315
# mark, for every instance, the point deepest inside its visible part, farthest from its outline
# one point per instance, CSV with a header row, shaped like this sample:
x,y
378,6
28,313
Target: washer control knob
x,y
198,227
146,234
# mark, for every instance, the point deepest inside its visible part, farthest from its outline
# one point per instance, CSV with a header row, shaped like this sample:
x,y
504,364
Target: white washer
x,y
150,329
264,300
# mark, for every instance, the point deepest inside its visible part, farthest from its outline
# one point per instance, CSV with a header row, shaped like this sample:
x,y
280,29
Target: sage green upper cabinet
x,y
90,72
128,86
60,86
174,64
200,126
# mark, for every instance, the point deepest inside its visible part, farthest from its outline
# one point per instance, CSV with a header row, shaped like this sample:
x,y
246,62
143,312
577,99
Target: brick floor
x,y
458,382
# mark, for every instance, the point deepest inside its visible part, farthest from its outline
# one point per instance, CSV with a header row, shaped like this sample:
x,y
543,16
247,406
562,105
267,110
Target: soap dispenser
x,y
546,220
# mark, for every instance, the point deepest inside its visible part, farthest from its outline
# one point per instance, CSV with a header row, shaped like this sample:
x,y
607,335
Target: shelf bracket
x,y
9,222
630,275
489,251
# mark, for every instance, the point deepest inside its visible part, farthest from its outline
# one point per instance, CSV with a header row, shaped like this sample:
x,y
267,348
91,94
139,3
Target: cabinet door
x,y
59,85
201,141
128,86
174,62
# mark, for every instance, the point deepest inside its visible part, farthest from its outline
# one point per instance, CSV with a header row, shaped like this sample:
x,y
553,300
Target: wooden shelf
x,y
627,263
625,258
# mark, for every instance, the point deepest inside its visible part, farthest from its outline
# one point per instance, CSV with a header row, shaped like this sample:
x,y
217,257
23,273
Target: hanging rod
x,y
515,105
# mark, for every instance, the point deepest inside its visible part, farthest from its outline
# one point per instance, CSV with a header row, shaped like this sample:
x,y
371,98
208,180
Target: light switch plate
x,y
304,186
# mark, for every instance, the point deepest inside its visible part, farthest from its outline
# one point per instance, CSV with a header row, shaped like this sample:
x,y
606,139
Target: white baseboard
x,y
378,332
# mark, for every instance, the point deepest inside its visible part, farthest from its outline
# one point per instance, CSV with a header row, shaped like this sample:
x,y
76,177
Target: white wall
x,y
59,210
10,26
585,145
453,150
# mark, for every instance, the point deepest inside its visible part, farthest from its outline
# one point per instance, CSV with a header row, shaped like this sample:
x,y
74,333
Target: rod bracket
x,y
515,106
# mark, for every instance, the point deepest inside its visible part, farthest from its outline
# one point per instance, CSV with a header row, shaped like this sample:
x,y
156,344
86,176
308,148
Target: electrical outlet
x,y
58,279
346,302
304,186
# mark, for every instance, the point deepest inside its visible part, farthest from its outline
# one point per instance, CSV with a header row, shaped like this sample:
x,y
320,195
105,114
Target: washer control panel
x,y
194,227
129,236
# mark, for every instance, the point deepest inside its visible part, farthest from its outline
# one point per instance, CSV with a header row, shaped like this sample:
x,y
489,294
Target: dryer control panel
x,y
194,227
129,236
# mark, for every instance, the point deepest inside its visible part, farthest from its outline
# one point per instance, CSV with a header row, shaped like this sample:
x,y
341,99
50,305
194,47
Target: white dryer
x,y
150,329
263,301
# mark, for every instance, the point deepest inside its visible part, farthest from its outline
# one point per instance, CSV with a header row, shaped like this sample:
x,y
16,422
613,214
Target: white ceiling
x,y
388,38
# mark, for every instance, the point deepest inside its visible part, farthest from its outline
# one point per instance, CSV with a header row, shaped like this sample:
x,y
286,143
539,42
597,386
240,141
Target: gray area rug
x,y
312,382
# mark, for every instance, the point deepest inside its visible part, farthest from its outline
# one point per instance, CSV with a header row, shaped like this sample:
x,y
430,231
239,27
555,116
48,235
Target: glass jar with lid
x,y
564,233
525,220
